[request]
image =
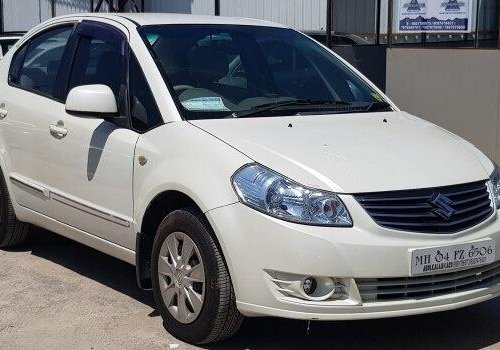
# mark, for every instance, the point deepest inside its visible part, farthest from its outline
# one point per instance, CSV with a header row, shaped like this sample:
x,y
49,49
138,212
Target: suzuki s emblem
x,y
442,206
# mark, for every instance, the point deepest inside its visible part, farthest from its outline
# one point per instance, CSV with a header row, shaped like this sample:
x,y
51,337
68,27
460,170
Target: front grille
x,y
405,288
411,210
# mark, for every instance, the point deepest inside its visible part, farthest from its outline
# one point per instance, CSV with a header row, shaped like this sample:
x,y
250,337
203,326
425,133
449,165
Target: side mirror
x,y
94,100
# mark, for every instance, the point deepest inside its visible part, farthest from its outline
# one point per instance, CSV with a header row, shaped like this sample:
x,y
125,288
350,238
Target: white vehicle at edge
x,y
8,40
286,186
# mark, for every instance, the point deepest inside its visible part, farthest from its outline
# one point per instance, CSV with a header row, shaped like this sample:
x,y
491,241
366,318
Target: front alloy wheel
x,y
181,277
191,283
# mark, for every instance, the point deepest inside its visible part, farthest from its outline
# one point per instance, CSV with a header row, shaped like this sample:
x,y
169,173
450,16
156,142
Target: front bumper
x,y
254,244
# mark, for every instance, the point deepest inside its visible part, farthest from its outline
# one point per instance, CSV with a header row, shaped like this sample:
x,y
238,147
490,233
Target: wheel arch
x,y
160,206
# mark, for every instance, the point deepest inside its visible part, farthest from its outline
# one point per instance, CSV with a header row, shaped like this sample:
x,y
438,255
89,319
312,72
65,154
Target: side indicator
x,y
142,160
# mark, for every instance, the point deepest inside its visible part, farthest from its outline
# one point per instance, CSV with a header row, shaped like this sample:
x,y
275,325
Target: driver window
x,y
98,61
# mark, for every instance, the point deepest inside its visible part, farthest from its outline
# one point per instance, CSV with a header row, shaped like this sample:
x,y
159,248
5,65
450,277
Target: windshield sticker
x,y
205,104
377,97
152,38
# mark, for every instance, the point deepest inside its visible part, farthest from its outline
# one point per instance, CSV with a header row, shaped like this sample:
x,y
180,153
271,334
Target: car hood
x,y
355,153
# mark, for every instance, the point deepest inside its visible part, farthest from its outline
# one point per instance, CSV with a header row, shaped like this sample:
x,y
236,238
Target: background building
x,y
364,18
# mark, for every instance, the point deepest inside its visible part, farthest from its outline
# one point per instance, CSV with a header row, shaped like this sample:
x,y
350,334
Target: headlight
x,y
495,185
273,194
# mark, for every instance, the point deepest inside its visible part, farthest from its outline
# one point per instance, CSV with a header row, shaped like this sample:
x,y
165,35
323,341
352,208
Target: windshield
x,y
219,71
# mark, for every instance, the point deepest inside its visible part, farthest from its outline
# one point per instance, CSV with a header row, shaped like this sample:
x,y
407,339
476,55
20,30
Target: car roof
x,y
144,19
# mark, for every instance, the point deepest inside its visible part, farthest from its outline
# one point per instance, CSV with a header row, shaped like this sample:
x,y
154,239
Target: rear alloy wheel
x,y
191,284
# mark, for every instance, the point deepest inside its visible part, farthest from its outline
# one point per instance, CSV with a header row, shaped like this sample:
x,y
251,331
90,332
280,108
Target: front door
x,y
90,166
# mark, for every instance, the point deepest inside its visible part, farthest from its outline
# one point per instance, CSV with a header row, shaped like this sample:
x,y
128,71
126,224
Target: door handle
x,y
58,130
3,111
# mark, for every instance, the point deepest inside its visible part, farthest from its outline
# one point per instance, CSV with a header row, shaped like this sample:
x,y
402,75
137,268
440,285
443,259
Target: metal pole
x,y
142,6
53,8
329,22
91,5
111,6
1,17
98,6
39,10
390,14
217,8
478,9
121,5
378,19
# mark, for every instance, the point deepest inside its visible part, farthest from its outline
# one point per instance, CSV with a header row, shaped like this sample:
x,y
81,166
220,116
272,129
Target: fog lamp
x,y
309,285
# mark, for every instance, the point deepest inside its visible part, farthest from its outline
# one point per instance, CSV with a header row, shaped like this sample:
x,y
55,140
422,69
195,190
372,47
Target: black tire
x,y
219,318
12,231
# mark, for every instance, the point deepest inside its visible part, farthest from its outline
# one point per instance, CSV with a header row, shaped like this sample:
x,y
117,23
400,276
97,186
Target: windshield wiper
x,y
377,106
301,104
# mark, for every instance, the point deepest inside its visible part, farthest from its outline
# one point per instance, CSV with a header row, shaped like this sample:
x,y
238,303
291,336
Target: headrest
x,y
108,70
208,64
109,60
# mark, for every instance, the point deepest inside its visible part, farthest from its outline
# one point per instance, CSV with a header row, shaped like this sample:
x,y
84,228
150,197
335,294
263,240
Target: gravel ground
x,y
58,294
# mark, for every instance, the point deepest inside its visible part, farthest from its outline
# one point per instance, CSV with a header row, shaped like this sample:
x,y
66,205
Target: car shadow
x,y
87,262
474,327
97,142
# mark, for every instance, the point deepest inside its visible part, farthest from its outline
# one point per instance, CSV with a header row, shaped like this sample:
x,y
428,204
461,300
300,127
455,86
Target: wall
x,y
456,89
368,59
196,7
299,14
355,16
488,14
25,14
64,7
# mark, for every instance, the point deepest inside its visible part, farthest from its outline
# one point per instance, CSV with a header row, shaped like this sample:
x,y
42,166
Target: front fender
x,y
181,157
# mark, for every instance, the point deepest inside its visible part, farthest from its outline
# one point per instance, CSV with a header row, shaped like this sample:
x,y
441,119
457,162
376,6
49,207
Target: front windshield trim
x,y
184,112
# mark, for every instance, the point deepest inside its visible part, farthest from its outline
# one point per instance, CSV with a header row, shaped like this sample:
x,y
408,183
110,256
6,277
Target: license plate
x,y
429,261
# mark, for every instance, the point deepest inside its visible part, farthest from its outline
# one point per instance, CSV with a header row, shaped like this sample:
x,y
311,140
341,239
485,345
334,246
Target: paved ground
x,y
57,294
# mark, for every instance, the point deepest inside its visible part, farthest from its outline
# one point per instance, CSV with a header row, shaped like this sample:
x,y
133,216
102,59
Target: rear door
x,y
30,100
90,169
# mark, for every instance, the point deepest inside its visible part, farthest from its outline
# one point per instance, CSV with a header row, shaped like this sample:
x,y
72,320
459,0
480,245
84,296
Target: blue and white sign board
x,y
435,16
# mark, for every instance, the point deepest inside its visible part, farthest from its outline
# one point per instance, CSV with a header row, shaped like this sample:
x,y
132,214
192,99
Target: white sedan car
x,y
244,169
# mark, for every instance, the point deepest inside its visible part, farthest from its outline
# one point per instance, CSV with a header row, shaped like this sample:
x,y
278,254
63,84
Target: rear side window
x,y
35,67
143,110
